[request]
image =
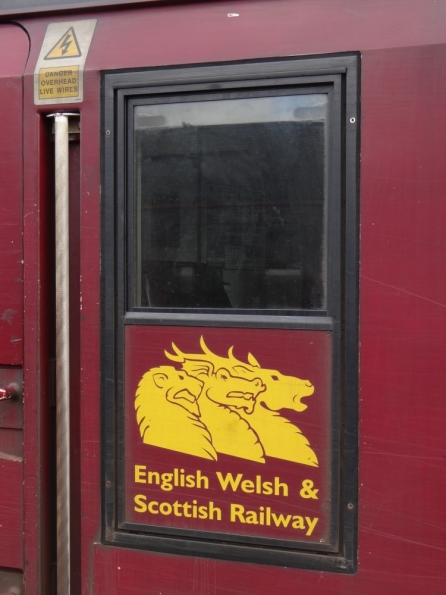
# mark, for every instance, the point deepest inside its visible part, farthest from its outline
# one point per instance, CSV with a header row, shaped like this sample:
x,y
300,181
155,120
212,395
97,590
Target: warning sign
x,y
58,82
66,47
58,76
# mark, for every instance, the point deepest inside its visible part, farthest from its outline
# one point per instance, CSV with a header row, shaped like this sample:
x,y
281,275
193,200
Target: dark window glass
x,y
231,203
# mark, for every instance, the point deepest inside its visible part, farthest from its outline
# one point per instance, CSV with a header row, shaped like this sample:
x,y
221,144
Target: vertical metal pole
x,y
62,354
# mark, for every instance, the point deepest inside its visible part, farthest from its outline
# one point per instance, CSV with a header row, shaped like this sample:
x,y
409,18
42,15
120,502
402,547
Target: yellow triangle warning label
x,y
66,47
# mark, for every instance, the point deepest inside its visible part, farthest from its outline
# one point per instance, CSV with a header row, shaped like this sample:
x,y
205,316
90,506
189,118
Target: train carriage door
x,y
214,297
213,373
229,349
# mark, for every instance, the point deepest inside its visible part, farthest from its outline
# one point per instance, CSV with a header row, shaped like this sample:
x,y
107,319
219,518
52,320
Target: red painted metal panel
x,y
11,500
403,317
202,32
401,536
14,51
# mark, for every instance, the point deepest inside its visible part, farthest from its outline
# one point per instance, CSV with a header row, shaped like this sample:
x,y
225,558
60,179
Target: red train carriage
x,y
223,297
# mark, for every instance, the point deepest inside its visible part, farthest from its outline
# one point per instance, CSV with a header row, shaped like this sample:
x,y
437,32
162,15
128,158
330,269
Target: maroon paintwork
x,y
402,520
14,51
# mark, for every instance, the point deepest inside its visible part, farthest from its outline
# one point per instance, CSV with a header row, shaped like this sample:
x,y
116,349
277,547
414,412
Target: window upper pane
x,y
231,203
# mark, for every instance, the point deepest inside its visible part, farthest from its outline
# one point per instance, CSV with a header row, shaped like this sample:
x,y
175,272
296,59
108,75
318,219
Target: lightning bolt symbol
x,y
67,41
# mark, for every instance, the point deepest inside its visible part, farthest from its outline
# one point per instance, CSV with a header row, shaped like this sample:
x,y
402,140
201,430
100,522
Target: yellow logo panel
x,y
220,405
66,47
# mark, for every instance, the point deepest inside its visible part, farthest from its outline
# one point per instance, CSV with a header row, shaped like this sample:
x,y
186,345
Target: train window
x,y
231,202
229,293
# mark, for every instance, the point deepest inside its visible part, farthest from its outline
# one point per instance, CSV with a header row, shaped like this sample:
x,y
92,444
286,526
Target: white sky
x,y
293,108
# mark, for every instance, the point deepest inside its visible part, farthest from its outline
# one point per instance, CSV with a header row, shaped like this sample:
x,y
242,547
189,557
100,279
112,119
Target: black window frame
x,y
121,91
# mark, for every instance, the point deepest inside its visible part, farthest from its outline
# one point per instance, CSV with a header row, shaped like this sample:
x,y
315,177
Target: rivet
x,y
107,132
352,120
